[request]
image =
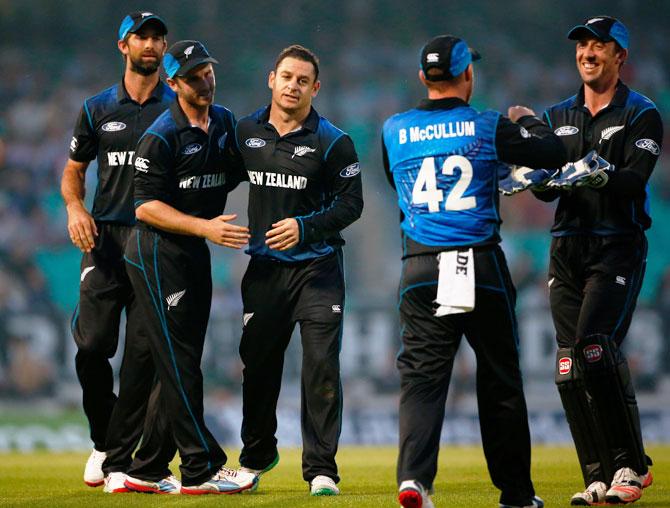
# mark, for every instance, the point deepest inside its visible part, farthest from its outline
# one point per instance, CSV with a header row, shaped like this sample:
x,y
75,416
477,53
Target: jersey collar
x,y
156,94
311,123
181,120
446,103
619,99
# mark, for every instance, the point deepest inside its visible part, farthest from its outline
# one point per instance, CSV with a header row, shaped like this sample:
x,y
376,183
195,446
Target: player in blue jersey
x,y
443,159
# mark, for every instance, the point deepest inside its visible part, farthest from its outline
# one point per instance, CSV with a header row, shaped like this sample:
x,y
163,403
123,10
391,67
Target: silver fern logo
x,y
302,150
174,298
606,134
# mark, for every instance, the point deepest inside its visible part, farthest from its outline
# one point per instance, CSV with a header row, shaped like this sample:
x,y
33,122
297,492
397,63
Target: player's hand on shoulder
x,y
516,112
81,227
284,235
220,231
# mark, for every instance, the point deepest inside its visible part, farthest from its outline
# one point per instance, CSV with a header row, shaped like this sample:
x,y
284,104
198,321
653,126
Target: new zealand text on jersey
x,y
203,181
437,131
120,158
277,180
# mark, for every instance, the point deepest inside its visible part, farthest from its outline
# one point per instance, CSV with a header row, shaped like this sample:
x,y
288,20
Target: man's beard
x,y
144,69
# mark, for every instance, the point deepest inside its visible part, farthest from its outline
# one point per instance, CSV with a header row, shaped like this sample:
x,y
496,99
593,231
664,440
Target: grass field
x,y
368,480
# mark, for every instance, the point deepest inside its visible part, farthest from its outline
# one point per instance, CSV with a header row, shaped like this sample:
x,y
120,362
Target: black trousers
x,y
425,362
276,296
594,283
104,293
171,277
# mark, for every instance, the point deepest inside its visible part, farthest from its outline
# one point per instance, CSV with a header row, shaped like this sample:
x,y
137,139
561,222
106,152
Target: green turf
x,y
368,480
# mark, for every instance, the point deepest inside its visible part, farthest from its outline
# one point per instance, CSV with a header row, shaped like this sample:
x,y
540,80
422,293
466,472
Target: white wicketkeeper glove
x,y
521,178
591,170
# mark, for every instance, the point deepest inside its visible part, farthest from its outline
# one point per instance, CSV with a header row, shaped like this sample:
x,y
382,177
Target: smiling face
x,y
599,62
293,85
144,49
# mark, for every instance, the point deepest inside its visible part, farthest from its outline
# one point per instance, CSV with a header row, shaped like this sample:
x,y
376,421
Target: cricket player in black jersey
x,y
305,187
181,184
108,129
443,158
597,261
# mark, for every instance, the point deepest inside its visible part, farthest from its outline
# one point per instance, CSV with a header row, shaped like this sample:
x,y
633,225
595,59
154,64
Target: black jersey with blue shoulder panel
x,y
628,133
443,158
311,174
108,127
183,166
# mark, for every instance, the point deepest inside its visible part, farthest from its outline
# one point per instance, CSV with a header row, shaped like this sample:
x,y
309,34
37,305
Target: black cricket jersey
x,y
108,127
184,167
311,174
628,134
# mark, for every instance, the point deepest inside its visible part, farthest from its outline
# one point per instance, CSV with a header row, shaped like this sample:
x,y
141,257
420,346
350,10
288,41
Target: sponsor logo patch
x,y
620,280
432,57
174,298
564,365
254,142
142,164
351,170
113,126
593,353
566,130
649,145
337,309
191,149
85,272
524,132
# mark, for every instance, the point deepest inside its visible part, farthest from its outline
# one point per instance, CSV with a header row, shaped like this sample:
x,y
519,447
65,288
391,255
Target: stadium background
x,y
54,54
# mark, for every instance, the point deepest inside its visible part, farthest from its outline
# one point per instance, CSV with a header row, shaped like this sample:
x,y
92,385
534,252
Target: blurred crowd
x,y
53,57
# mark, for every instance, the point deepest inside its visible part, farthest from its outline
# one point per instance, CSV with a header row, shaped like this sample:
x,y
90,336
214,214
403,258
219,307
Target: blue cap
x,y
604,28
135,20
447,53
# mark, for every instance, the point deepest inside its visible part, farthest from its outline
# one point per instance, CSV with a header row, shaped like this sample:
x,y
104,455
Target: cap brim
x,y
154,18
192,64
581,31
475,54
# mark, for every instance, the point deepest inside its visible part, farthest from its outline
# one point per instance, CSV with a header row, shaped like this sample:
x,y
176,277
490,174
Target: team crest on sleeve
x,y
648,144
74,143
351,170
566,130
524,132
141,164
113,126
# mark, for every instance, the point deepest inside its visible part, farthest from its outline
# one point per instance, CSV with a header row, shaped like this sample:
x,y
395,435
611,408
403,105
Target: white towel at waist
x,y
456,282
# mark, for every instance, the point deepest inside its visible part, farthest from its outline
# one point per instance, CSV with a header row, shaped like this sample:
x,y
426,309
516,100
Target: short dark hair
x,y
301,53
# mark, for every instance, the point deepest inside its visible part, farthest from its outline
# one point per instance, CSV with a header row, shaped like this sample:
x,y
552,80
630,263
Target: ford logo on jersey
x,y
254,143
191,149
566,130
113,126
351,170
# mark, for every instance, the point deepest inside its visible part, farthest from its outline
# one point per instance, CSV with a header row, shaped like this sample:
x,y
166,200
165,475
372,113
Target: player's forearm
x,y
164,217
73,187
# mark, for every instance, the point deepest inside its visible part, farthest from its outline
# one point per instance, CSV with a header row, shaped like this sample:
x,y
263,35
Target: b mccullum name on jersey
x,y
442,130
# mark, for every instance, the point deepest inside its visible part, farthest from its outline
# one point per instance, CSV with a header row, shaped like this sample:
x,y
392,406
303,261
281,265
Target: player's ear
x,y
271,79
623,56
123,46
172,84
316,88
468,73
422,76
